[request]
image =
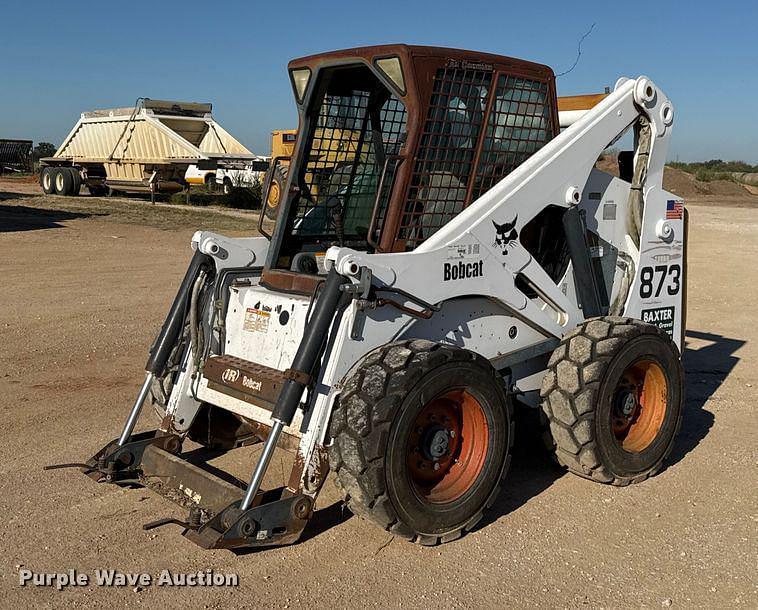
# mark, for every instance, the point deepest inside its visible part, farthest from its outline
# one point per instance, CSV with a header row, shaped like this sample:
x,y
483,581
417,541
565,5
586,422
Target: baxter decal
x,y
462,271
662,317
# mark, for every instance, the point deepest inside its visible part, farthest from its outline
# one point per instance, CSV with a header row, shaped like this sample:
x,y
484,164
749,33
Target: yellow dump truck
x,y
336,148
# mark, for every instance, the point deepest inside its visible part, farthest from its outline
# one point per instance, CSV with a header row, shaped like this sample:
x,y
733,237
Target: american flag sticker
x,y
674,209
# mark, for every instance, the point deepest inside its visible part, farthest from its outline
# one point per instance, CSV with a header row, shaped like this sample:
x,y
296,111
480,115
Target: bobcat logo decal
x,y
505,234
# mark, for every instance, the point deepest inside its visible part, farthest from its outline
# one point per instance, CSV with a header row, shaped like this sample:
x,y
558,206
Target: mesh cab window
x,y
445,160
519,124
357,125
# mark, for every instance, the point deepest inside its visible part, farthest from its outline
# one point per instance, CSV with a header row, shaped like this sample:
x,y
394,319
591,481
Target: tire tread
x,y
568,418
363,430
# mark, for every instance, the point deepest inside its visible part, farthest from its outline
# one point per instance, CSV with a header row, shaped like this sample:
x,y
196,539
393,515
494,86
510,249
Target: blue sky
x,y
59,59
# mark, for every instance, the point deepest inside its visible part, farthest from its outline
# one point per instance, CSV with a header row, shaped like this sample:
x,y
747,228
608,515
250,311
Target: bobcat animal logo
x,y
505,234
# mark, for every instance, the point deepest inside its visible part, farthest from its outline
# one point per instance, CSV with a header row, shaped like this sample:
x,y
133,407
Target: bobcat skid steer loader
x,y
465,256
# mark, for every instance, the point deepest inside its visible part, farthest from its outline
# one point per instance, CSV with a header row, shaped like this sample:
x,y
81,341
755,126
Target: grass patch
x,y
242,198
20,176
706,175
144,213
714,167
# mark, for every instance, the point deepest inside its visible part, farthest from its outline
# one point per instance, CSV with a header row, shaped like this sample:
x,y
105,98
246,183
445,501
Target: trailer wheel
x,y
422,436
63,181
276,191
613,396
76,181
46,180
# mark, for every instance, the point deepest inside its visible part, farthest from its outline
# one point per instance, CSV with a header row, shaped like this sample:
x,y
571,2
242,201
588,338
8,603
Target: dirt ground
x,y
86,284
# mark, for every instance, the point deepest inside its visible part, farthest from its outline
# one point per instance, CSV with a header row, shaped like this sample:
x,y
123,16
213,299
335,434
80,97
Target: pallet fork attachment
x,y
221,514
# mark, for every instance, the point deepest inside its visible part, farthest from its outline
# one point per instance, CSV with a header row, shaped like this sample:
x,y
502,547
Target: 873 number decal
x,y
653,280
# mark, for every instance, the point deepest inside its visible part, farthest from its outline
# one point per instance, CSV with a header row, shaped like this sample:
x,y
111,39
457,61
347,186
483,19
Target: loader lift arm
x,y
555,174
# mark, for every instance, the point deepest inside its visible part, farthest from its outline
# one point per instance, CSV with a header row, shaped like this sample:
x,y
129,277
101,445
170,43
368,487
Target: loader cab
x,y
395,141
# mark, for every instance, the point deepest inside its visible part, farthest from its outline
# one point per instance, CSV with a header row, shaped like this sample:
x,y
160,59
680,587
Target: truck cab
x,y
244,175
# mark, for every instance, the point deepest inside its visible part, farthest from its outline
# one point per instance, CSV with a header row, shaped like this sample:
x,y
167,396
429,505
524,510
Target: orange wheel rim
x,y
639,406
447,447
273,195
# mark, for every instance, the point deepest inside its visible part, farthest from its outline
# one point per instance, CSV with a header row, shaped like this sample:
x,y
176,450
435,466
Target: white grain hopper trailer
x,y
147,148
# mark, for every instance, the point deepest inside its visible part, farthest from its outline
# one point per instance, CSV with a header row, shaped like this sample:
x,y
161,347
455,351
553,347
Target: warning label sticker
x,y
256,320
662,317
462,251
320,258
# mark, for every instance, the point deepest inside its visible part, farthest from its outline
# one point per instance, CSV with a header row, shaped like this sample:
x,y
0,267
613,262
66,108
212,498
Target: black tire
x,y
276,191
374,425
601,424
46,180
63,181
76,181
228,186
210,183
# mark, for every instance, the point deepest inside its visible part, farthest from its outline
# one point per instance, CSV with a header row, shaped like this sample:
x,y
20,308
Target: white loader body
x,y
441,252
562,168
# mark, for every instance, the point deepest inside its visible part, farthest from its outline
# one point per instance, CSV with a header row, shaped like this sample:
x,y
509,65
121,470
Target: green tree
x,y
43,149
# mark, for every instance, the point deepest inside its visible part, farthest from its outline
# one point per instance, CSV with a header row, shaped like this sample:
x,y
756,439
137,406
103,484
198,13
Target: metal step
x,y
248,381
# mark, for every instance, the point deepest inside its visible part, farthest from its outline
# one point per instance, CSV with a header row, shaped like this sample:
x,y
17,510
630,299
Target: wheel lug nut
x,y
436,466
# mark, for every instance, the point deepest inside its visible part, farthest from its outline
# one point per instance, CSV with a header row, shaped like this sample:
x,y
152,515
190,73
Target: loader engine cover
x,y
265,327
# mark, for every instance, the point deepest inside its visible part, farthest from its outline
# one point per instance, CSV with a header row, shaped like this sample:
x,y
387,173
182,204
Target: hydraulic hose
x,y
172,326
636,202
196,331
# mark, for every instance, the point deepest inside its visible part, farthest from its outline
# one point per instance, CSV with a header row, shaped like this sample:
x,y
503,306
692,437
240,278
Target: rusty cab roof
x,y
420,68
407,53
